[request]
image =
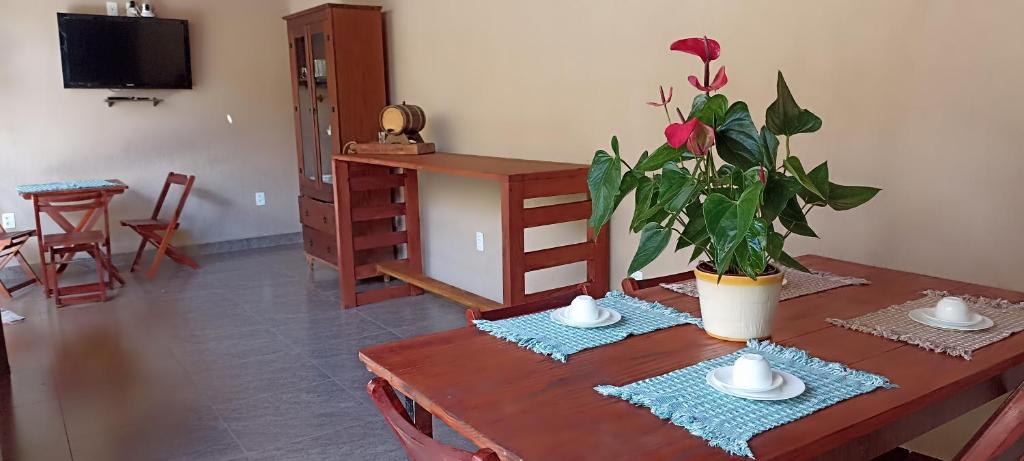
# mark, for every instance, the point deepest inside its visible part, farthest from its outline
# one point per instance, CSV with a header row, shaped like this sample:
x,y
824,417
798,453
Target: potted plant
x,y
725,191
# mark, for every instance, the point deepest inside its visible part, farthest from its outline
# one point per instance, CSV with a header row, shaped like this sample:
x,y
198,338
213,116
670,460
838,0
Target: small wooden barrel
x,y
402,119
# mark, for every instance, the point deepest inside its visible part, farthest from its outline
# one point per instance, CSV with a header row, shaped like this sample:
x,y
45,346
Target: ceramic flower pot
x,y
738,308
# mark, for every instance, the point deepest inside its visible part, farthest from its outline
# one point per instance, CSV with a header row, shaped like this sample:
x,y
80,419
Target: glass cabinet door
x,y
305,109
324,110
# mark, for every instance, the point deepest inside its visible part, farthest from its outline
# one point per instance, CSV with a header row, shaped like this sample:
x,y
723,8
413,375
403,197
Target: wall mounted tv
x,y
122,52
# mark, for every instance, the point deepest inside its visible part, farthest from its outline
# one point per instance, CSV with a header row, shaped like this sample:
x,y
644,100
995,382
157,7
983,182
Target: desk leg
x,y
413,248
512,230
344,235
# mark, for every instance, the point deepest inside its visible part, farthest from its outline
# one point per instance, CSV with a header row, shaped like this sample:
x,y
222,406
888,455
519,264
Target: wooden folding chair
x,y
416,436
527,308
159,232
631,285
56,250
10,248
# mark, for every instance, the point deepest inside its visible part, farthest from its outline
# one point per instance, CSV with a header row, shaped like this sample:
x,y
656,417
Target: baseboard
x,y
13,271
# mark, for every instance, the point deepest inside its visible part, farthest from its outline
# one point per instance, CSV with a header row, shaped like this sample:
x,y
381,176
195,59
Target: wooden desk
x,y
519,180
86,223
528,406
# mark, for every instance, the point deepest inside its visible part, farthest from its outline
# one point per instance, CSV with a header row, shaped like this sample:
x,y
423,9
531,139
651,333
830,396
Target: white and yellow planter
x,y
738,308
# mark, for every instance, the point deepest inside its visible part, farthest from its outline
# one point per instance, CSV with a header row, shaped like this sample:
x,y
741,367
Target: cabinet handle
x,y
325,219
307,213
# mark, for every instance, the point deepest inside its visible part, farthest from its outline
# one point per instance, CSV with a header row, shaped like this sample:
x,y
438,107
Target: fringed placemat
x,y
65,186
797,284
538,333
686,399
894,323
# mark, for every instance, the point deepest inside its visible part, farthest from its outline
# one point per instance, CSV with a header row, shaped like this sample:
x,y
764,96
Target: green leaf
x,y
626,186
786,260
653,240
775,244
603,180
751,255
777,193
846,197
615,145
819,176
793,219
785,117
644,192
737,138
711,110
676,188
659,158
728,221
695,232
769,147
795,168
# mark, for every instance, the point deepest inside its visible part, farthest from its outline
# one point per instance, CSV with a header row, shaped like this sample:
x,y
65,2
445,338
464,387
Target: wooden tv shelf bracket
x,y
519,180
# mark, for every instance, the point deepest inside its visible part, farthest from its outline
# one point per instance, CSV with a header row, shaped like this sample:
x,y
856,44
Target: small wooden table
x,y
519,180
85,223
528,406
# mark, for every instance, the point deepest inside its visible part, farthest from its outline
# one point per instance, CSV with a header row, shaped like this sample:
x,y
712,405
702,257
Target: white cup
x,y
751,371
952,309
583,309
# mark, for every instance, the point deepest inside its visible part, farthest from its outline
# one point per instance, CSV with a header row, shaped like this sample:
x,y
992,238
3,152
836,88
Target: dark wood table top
x,y
477,166
528,406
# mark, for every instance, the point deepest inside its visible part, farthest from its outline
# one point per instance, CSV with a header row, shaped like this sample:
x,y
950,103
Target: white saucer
x,y
723,376
926,316
605,318
791,387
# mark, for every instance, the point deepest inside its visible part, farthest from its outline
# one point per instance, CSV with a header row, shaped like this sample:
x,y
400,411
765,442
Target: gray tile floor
x,y
248,358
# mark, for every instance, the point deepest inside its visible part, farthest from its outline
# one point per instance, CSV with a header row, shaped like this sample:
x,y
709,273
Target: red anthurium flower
x,y
701,139
678,133
720,80
704,48
664,100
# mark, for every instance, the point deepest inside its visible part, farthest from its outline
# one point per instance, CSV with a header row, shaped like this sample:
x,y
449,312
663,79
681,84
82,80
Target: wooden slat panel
x,y
558,256
402,271
378,212
551,293
382,294
364,183
379,240
366,271
555,186
554,214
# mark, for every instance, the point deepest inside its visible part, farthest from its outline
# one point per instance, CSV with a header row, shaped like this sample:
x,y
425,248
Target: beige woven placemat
x,y
894,323
797,284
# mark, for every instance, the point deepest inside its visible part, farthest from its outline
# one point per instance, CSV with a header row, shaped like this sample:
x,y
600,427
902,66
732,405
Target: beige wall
x,y
240,67
919,98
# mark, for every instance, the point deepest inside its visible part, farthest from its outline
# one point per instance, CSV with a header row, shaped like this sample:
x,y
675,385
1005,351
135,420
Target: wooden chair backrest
x,y
630,285
59,204
16,240
419,446
181,180
527,308
1002,436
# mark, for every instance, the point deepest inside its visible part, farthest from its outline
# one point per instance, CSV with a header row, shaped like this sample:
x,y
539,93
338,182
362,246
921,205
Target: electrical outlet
x,y
638,275
479,241
111,8
261,199
8,221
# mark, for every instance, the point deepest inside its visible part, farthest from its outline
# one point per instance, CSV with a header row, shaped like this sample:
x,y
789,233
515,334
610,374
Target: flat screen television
x,y
122,52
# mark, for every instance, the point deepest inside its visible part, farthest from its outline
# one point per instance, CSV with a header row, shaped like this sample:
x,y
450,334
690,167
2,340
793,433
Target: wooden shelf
x,y
401,270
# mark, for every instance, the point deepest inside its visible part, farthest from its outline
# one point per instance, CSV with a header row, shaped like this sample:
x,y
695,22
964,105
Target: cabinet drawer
x,y
316,214
320,244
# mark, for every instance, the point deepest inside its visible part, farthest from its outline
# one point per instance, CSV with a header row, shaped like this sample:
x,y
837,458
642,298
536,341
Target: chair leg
x,y
25,266
51,277
100,269
138,253
46,269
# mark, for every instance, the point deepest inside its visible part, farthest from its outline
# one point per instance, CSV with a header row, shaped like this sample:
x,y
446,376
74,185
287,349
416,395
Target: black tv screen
x,y
122,52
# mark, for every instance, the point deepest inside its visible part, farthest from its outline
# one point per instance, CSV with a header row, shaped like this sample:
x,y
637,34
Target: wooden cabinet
x,y
338,90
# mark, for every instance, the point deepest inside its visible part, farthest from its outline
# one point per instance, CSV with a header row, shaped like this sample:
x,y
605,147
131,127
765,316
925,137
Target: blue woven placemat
x,y
64,186
684,397
538,333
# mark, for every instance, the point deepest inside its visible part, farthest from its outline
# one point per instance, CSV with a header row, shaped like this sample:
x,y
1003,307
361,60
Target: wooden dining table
x,y
85,223
527,406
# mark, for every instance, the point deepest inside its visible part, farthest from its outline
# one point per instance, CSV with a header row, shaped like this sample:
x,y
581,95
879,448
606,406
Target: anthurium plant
x,y
719,186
